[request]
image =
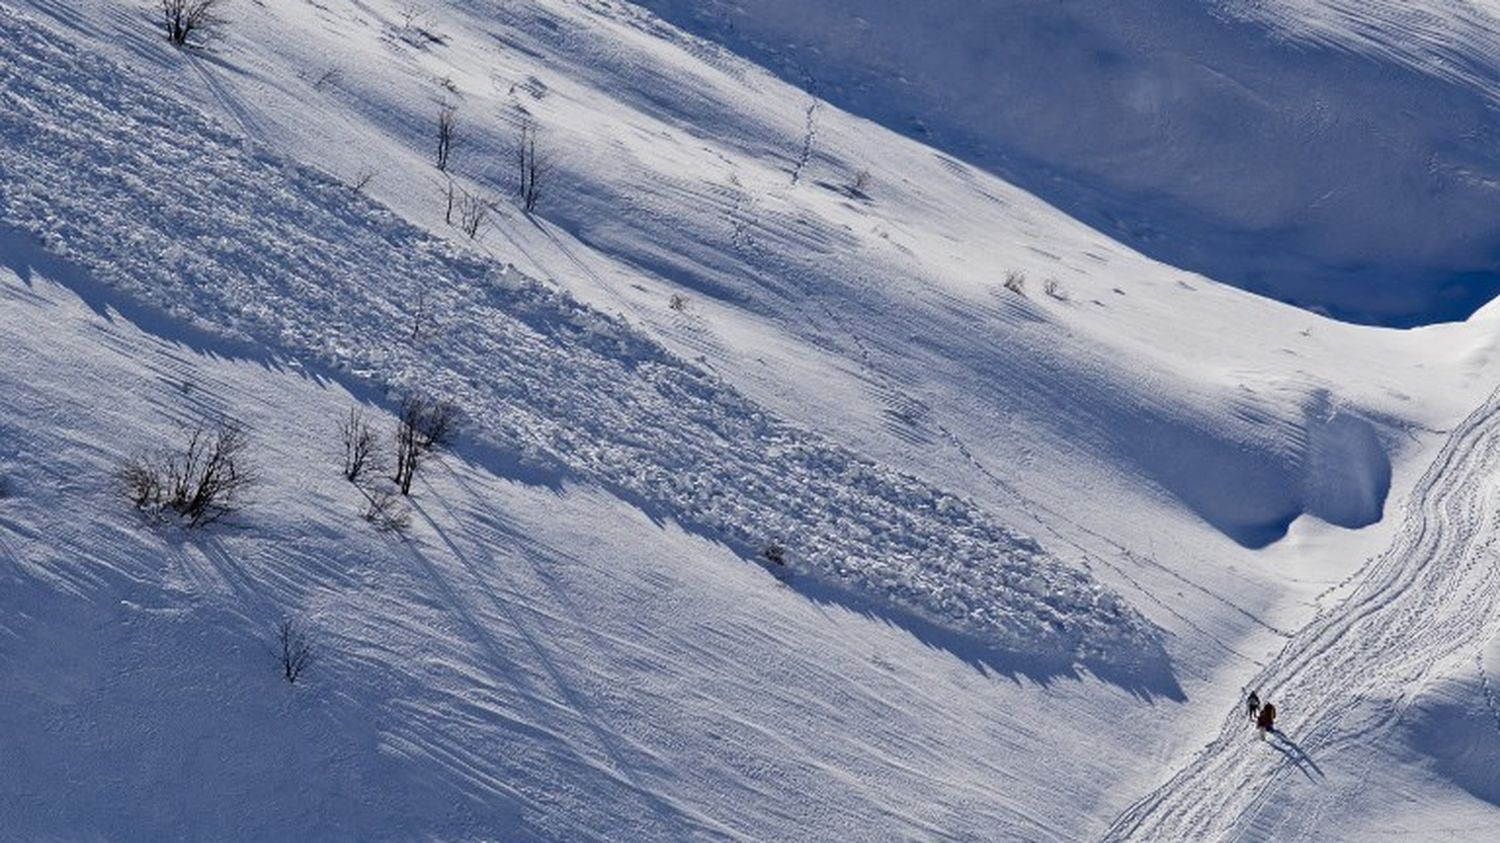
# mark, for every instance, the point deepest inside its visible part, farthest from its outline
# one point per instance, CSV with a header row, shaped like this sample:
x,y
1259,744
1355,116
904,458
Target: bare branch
x,y
294,650
423,426
185,18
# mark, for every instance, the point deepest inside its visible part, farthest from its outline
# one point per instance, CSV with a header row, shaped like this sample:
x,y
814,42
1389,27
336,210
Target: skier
x,y
1252,705
1267,720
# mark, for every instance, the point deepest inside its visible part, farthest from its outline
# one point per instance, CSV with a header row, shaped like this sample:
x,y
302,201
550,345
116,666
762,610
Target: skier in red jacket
x,y
1266,722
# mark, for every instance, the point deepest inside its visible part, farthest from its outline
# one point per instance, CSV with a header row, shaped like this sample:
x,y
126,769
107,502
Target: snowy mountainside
x,y
899,376
1338,155
681,169
531,662
315,270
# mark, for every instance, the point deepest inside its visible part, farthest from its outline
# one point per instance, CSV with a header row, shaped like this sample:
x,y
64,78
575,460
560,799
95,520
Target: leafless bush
x,y
859,186
533,166
385,510
1015,281
774,553
447,121
420,316
294,650
185,18
678,302
473,210
424,425
417,26
1053,287
330,76
361,180
358,438
202,482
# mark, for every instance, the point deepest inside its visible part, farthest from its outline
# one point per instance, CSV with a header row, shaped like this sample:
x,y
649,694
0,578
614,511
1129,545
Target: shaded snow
x,y
1336,154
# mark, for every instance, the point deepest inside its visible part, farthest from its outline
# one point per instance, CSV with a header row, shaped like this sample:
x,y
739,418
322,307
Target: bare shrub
x,y
294,650
184,19
423,425
385,510
678,302
473,210
774,553
420,316
533,166
201,482
361,180
1015,281
358,438
859,186
1053,287
447,122
330,76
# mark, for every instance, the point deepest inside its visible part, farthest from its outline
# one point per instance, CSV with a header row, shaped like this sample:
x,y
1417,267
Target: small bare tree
x,y
420,315
360,456
859,185
774,553
532,166
1015,281
424,425
1053,288
678,302
294,650
201,483
472,212
447,121
361,180
184,18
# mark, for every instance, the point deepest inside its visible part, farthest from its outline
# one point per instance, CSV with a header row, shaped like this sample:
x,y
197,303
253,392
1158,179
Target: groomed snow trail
x,y
1343,684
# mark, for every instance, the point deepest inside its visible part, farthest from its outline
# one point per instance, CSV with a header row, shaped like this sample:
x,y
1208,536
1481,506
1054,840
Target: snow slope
x,y
1337,154
1363,684
319,272
1197,466
535,662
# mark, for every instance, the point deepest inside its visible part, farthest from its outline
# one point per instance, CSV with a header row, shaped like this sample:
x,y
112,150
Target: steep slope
x,y
1337,155
151,199
530,662
1420,612
845,350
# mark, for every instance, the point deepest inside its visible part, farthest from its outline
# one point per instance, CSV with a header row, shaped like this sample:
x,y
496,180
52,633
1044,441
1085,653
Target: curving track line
x,y
1426,603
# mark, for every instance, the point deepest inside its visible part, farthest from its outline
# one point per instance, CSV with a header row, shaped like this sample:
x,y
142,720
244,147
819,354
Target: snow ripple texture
x,y
153,199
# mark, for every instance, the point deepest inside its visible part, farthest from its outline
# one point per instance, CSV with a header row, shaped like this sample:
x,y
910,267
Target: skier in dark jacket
x,y
1252,705
1267,720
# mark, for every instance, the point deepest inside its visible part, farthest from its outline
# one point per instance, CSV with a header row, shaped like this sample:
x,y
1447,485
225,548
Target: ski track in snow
x,y
1348,677
316,271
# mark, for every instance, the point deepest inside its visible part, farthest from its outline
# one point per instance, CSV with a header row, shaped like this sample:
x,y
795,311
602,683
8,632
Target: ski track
x,y
1353,671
